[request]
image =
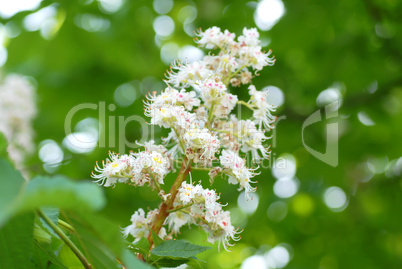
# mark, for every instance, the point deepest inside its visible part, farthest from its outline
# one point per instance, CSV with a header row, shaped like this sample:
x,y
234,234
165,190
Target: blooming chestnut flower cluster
x,y
196,106
199,206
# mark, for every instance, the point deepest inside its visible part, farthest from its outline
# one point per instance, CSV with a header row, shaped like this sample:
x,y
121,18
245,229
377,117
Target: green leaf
x,y
16,242
46,254
157,239
41,235
142,246
69,259
3,146
12,183
53,214
169,262
196,264
59,191
178,249
131,262
100,240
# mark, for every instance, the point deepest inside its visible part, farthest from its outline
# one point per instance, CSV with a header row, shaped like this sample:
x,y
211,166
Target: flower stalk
x,y
168,205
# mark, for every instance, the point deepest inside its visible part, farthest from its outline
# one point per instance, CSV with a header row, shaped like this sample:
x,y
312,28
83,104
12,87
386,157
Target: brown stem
x,y
168,205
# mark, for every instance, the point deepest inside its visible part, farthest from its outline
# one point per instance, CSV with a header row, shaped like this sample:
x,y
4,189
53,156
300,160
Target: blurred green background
x,y
309,215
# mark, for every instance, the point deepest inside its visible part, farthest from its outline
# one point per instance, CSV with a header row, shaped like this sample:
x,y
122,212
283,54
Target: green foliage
x,y
12,183
41,236
61,192
3,146
178,249
99,239
53,215
16,239
68,258
132,262
157,239
141,246
173,253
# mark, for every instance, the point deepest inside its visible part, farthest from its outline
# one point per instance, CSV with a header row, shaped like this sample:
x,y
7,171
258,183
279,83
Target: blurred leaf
x,y
196,264
42,236
46,254
69,259
99,239
178,249
130,261
11,182
53,215
16,242
61,192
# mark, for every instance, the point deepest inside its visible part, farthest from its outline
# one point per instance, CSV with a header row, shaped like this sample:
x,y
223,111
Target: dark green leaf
x,y
157,239
178,248
168,262
16,242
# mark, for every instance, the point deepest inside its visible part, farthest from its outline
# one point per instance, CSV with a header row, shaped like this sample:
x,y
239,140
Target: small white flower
x,y
112,170
263,110
176,220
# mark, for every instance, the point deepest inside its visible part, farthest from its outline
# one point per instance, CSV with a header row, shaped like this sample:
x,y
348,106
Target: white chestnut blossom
x,y
263,109
140,225
205,211
203,140
115,169
136,169
238,172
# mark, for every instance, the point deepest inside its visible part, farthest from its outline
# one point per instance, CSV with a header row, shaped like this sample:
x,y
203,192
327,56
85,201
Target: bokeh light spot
x,y
169,52
268,13
277,211
190,54
275,95
284,166
330,97
163,6
335,199
250,205
125,95
302,204
286,187
365,119
163,26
